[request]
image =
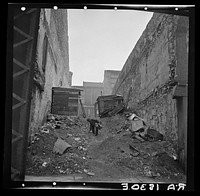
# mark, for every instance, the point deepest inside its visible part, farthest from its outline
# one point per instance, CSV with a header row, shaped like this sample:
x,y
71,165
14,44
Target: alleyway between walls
x,y
113,155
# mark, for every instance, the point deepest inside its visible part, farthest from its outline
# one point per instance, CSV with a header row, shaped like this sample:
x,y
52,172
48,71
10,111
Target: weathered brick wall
x,y
53,24
148,76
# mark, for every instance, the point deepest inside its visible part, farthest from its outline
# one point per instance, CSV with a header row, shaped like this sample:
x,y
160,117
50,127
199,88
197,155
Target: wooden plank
x,y
180,91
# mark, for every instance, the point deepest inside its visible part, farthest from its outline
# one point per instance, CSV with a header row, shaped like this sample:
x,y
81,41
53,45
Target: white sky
x,y
102,40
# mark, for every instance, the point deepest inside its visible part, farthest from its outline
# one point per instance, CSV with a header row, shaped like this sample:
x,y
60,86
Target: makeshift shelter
x,y
65,101
108,105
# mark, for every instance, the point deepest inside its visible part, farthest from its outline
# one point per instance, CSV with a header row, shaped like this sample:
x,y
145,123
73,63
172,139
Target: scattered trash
x,y
44,130
44,164
147,171
154,135
138,137
119,147
137,123
60,146
89,173
134,152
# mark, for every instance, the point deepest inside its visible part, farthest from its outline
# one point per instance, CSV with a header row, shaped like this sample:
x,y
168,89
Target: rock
x,y
155,135
153,154
44,164
89,173
60,146
44,130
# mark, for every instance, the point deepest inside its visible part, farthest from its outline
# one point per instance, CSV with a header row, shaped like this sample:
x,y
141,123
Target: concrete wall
x,y
53,73
110,77
151,72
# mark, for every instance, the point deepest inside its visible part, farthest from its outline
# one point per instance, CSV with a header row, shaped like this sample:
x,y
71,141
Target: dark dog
x,y
95,126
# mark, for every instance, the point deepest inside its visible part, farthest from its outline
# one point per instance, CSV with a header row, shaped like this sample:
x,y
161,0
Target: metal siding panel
x,y
23,53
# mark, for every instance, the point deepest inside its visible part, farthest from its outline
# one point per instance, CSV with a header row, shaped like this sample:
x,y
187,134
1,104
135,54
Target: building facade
x,y
51,65
92,90
153,80
110,77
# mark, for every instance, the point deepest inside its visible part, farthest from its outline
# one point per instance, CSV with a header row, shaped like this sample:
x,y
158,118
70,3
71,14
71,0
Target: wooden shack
x,y
106,104
65,101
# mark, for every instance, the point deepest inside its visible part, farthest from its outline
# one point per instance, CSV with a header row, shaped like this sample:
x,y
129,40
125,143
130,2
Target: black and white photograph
x,y
99,95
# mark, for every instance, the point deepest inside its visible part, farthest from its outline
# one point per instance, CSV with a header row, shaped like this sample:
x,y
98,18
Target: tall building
x,y
110,77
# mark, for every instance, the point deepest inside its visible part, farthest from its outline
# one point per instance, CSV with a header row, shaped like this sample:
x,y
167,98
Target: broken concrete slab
x,y
136,125
60,146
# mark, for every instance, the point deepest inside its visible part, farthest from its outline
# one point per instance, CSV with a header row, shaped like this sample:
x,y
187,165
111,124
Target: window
x,y
44,53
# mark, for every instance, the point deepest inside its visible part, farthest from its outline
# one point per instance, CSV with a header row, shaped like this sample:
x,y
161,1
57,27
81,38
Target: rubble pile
x,y
64,145
149,156
60,147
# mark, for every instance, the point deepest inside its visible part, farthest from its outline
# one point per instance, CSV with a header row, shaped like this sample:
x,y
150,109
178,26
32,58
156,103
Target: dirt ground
x,y
105,157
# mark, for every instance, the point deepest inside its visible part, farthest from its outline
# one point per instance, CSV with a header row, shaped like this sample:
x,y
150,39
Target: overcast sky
x,y
102,40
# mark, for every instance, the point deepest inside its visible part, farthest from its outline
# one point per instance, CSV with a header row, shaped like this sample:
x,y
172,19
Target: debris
x,y
89,173
60,146
153,154
116,110
44,164
44,130
137,123
134,152
154,135
138,137
147,171
57,126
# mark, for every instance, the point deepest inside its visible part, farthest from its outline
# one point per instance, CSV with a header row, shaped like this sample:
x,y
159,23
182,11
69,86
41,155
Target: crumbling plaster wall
x,y
53,25
149,75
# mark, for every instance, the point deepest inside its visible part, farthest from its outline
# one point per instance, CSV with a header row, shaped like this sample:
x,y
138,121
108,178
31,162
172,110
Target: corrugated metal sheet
x,y
65,101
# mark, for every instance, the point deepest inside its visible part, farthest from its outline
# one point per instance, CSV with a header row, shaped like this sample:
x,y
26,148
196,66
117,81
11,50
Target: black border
x,y
7,183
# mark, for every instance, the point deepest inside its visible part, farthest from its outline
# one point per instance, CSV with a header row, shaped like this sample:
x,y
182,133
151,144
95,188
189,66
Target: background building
x,y
91,92
110,77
